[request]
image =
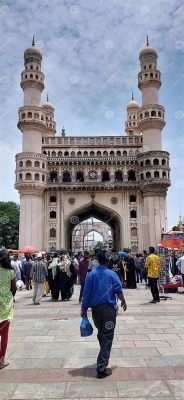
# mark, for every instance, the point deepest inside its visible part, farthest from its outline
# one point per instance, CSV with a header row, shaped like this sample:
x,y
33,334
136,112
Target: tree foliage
x,y
9,224
175,228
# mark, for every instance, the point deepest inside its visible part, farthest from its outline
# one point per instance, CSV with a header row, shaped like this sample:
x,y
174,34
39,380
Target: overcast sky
x,y
90,60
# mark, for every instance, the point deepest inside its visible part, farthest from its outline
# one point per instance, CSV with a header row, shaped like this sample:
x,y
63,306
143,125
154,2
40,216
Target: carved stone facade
x,y
63,180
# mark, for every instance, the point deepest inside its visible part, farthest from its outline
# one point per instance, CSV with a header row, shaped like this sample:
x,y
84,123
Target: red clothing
x,y
4,328
83,268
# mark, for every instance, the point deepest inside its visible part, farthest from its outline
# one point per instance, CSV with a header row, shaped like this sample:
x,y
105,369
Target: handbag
x,y
86,328
47,287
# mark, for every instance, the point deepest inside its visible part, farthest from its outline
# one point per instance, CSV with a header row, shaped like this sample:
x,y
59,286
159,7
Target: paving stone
x,y
176,387
148,343
76,362
179,371
65,338
176,343
140,352
166,361
61,375
18,376
27,391
171,351
163,336
132,337
38,339
7,390
139,388
16,363
141,374
63,353
128,362
43,363
89,389
31,353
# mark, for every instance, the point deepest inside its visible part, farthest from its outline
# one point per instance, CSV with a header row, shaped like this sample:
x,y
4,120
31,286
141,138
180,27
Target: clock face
x,y
92,174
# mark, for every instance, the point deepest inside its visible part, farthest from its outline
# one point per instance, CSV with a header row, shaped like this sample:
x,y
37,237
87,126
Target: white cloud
x,y
73,37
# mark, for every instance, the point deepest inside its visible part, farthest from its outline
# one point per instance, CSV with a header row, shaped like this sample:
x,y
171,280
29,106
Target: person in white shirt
x,y
180,265
93,263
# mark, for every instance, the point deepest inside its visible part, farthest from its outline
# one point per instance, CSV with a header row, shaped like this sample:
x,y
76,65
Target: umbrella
x,y
28,249
122,254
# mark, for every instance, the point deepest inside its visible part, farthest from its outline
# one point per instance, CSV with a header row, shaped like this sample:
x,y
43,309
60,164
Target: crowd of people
x,y
57,273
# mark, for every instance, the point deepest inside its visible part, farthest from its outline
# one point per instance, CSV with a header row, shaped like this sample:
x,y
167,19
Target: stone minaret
x,y
153,162
49,115
151,114
131,124
31,164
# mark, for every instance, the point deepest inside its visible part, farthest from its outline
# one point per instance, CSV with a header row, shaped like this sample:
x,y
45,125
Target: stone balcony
x,y
91,185
93,141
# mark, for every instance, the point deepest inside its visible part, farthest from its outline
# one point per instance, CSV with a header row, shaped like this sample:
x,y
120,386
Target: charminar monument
x,y
120,180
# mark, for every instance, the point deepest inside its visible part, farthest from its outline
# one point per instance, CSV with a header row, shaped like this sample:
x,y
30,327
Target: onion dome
x,y
133,104
48,105
33,53
147,50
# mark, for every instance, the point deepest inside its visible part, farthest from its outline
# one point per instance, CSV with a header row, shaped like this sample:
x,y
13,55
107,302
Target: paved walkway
x,y
49,359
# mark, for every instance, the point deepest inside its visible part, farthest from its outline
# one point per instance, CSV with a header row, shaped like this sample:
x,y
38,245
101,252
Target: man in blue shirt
x,y
102,287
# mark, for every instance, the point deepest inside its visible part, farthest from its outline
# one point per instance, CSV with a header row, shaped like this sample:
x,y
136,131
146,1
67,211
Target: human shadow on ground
x,y
88,372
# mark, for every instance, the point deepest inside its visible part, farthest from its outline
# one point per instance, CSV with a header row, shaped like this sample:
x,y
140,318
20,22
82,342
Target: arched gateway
x,y
122,180
98,211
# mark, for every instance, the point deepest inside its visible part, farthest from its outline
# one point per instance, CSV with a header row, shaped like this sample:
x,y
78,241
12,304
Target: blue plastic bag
x,y
86,328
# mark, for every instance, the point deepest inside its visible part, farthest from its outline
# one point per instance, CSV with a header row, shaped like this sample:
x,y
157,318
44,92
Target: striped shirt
x,y
39,271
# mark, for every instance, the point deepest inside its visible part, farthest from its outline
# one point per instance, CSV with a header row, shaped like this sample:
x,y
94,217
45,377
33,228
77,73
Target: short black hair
x,y
5,259
114,250
103,256
151,249
97,251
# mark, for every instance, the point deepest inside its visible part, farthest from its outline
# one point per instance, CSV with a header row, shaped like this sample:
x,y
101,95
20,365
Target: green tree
x,y
9,224
175,228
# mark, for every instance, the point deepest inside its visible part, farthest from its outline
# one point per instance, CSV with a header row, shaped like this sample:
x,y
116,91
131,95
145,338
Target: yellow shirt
x,y
154,266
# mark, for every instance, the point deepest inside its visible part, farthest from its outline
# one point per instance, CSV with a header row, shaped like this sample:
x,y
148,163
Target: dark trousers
x,y
28,282
154,288
104,317
138,275
55,288
183,278
81,290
